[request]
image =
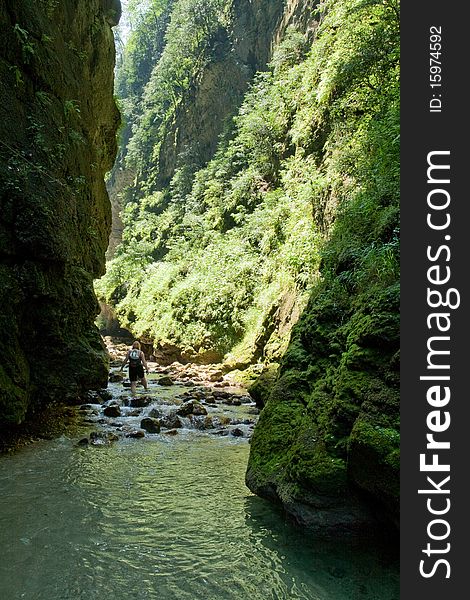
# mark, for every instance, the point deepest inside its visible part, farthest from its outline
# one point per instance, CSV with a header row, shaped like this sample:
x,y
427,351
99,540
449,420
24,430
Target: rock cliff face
x,y
58,122
326,445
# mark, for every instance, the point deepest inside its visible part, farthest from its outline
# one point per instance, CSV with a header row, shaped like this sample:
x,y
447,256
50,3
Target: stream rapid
x,y
165,516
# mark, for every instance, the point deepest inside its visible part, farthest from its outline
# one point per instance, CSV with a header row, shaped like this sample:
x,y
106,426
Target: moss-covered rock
x,y
327,442
58,122
330,428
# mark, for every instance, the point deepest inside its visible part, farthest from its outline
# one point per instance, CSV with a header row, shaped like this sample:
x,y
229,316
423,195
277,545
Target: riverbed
x,y
165,517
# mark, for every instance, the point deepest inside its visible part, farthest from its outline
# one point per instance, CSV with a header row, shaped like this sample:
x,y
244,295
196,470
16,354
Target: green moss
x,y
374,459
14,398
260,389
54,207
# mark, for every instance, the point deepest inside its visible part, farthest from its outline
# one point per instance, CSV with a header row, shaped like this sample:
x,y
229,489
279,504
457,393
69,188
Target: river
x,y
165,517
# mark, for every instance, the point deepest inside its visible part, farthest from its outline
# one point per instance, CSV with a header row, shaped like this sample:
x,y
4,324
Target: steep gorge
x,y
257,178
58,121
235,227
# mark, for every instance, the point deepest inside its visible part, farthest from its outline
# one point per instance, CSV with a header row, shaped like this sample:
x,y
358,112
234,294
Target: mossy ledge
x,y
58,123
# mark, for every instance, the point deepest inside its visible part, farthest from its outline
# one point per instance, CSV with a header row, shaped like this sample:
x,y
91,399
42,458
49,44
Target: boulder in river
x,y
112,411
216,376
201,422
102,438
171,421
191,408
138,433
116,377
237,432
105,395
150,425
134,413
141,401
165,380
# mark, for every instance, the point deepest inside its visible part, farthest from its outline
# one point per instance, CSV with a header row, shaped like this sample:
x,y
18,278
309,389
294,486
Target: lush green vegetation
x,y
208,252
333,415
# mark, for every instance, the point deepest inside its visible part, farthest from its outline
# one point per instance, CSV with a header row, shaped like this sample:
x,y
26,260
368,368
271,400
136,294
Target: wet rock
x,y
138,433
237,432
102,438
105,395
83,442
150,425
141,401
201,422
112,411
220,432
221,420
221,395
215,376
155,413
221,384
171,432
191,408
165,380
116,377
92,396
198,409
134,413
253,410
171,421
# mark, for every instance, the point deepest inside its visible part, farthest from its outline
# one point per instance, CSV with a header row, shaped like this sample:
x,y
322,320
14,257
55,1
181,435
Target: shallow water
x,y
164,518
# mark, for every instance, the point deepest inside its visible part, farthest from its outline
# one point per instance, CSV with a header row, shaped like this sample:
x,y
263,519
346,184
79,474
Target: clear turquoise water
x,y
164,518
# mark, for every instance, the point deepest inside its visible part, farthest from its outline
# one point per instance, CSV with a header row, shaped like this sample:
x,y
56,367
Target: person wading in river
x,y
136,359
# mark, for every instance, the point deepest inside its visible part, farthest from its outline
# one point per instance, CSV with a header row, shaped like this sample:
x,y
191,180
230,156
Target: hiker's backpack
x,y
134,357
